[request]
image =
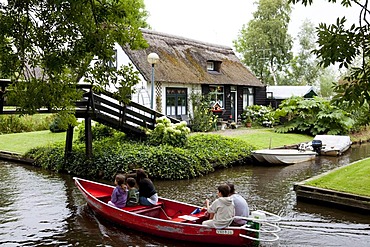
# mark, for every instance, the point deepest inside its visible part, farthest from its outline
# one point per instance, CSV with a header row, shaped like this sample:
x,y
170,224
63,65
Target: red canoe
x,y
173,219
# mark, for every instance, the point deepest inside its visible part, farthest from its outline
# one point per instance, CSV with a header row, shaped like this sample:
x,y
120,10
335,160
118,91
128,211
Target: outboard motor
x,y
316,146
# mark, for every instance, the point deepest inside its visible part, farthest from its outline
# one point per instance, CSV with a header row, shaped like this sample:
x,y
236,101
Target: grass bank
x,y
265,137
353,178
22,142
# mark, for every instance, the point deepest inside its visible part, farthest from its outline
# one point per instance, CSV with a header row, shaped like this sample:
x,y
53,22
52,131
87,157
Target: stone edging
x,y
342,199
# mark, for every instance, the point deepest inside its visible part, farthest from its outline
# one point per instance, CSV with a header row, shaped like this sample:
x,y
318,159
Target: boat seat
x,y
99,194
142,208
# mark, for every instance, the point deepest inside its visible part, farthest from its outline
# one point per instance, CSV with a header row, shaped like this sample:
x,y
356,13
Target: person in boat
x,y
119,195
222,211
241,206
147,194
133,193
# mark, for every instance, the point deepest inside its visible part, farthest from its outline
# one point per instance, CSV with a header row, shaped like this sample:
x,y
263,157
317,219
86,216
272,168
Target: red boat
x,y
177,220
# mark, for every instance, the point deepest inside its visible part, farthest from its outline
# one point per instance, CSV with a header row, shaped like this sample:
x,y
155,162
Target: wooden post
x,y
1,102
69,141
88,137
2,95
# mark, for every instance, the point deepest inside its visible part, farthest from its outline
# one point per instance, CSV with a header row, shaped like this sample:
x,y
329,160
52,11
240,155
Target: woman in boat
x,y
147,194
119,195
222,211
241,206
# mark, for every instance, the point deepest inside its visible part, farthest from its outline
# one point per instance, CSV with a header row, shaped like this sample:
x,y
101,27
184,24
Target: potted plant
x,y
248,121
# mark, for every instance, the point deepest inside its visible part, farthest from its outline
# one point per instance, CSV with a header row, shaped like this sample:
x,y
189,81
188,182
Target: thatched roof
x,y
185,61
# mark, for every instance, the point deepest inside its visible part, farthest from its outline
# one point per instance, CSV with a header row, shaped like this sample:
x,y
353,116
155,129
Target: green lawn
x,y
266,138
22,142
352,179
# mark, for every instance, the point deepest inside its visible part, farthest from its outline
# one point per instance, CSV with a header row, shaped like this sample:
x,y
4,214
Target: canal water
x,y
39,208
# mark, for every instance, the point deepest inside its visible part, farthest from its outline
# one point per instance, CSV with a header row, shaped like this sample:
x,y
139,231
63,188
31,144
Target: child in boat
x,y
133,193
119,195
241,206
222,211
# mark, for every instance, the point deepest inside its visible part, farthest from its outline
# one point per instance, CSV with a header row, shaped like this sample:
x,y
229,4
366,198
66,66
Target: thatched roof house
x,y
188,66
185,61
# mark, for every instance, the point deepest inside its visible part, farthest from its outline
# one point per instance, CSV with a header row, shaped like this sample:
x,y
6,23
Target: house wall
x,y
260,96
142,90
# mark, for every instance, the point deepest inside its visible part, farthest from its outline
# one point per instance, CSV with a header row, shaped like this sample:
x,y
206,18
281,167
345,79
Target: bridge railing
x,y
106,105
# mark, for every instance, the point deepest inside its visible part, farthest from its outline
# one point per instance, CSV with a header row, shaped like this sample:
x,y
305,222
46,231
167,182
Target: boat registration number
x,y
225,232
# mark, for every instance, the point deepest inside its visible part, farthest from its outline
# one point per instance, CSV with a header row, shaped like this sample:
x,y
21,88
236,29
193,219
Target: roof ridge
x,y
181,38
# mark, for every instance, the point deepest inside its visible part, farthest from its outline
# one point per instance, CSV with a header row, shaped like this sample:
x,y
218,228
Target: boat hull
x,y
283,156
156,220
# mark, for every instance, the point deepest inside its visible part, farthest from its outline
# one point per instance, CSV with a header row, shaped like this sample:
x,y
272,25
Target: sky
x,y
219,21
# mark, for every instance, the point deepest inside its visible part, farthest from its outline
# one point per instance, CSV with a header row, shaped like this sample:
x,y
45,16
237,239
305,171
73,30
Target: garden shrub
x,y
201,155
261,115
25,123
313,116
203,120
168,133
99,131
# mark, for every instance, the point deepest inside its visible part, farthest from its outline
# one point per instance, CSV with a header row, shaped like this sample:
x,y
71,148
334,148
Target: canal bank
x,y
306,191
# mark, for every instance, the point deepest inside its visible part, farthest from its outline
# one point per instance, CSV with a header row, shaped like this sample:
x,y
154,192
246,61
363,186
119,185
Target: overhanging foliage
x,y
47,46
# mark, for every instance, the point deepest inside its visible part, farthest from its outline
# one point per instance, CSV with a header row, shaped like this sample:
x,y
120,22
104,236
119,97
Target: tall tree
x,y
328,81
340,44
304,69
264,43
48,45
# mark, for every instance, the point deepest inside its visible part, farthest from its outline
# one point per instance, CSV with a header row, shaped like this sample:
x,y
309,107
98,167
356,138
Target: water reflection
x,y
32,207
39,208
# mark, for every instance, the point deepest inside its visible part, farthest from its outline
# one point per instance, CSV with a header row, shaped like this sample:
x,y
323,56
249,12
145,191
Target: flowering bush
x,y
166,132
262,115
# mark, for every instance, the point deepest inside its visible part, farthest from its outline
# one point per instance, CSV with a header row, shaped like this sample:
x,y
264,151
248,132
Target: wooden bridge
x,y
131,119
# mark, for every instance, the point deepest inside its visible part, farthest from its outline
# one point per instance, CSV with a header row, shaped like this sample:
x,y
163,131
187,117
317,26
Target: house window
x,y
210,66
176,101
217,95
248,97
214,66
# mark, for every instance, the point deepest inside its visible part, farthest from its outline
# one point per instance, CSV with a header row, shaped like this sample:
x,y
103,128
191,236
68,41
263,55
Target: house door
x,y
233,106
176,102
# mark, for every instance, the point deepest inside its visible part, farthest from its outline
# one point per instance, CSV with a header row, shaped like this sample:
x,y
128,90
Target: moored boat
x,y
283,156
178,220
329,145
